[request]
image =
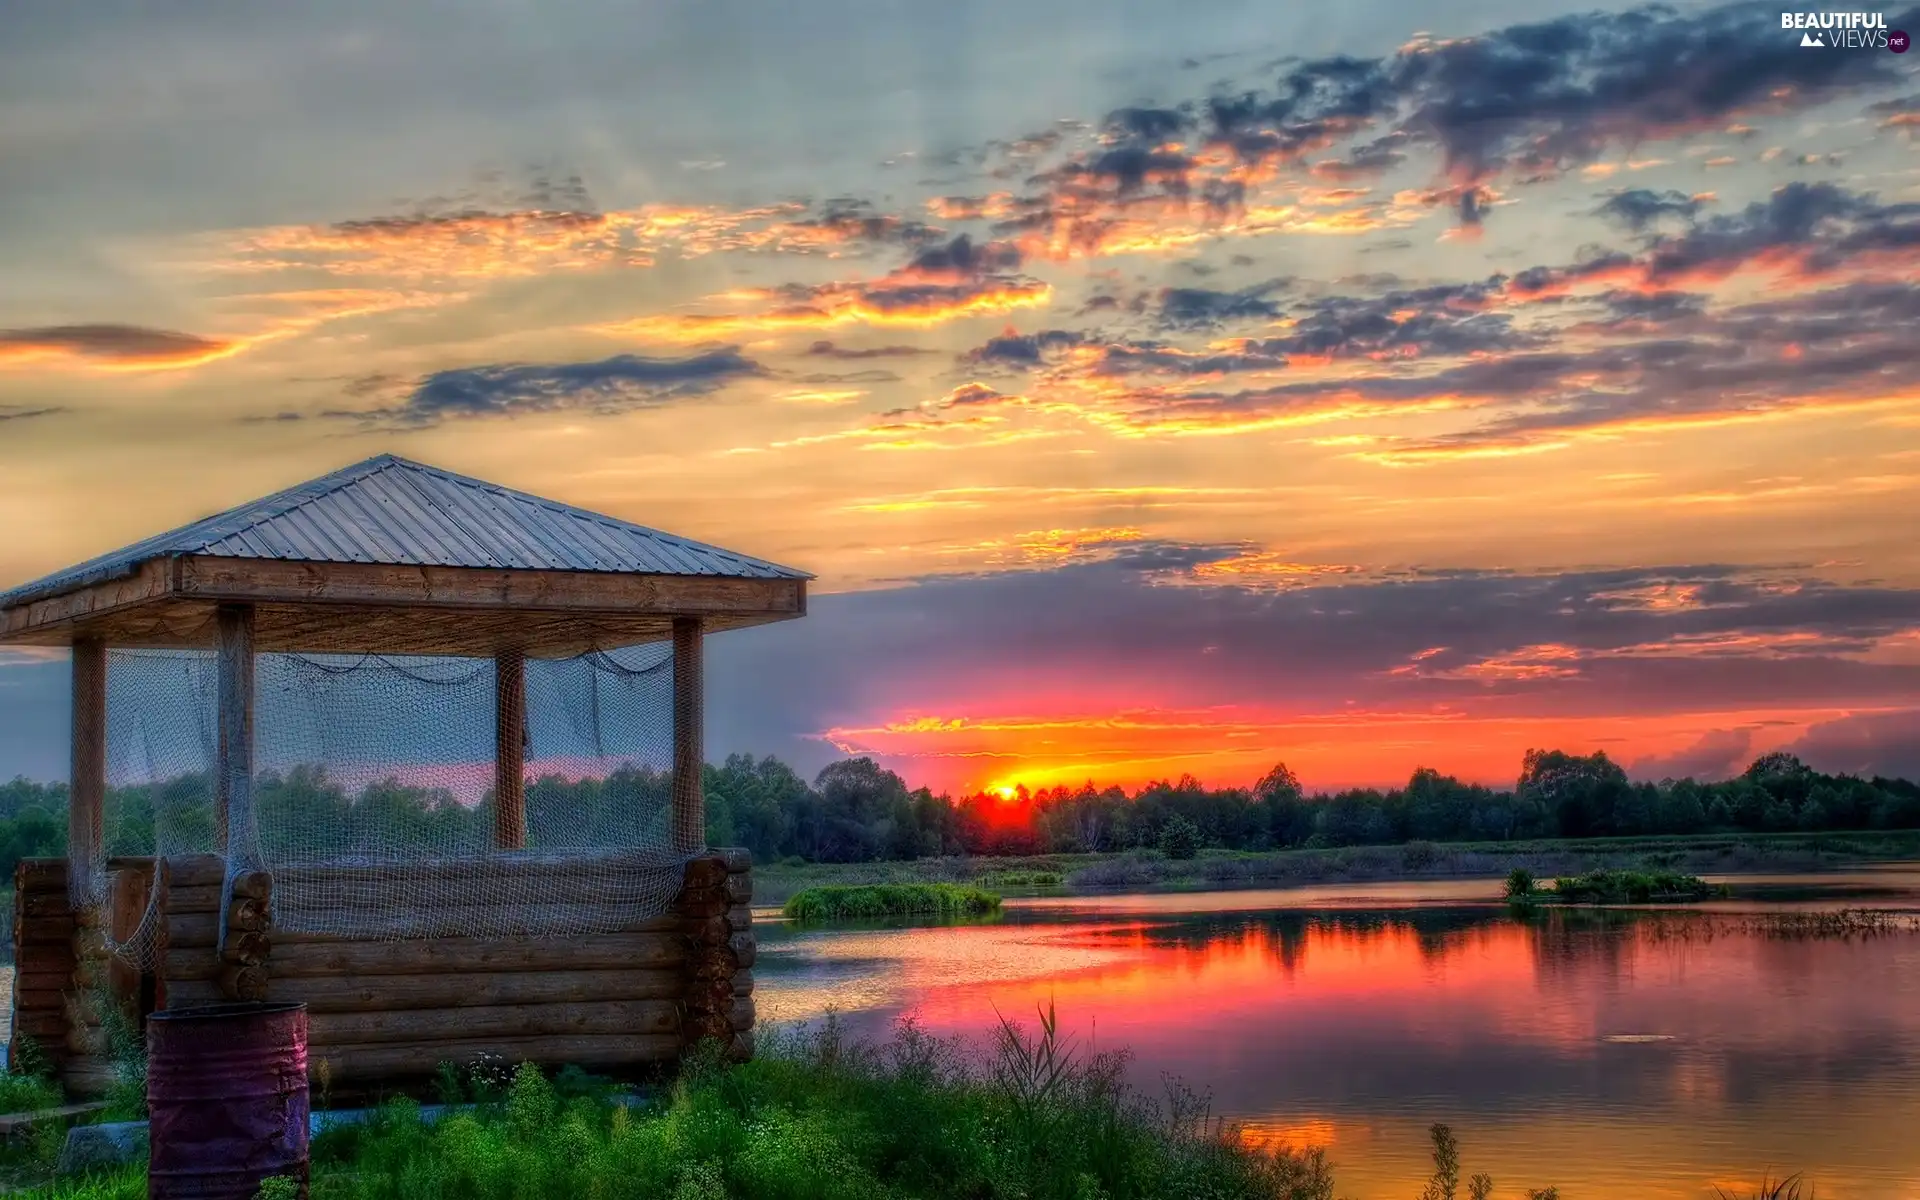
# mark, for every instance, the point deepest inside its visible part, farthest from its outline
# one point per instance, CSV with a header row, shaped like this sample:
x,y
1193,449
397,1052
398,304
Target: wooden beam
x,y
233,769
270,580
153,580
510,750
689,711
87,796
548,614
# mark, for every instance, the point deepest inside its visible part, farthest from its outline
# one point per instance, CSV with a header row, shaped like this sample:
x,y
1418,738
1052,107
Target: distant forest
x,y
855,810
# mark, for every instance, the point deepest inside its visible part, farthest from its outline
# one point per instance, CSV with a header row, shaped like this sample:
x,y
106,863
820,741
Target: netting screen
x,y
372,798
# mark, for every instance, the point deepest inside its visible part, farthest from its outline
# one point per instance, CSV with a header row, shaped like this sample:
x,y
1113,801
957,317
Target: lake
x,y
1641,1053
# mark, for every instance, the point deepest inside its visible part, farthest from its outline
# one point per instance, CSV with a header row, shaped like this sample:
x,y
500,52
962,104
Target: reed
x,y
890,900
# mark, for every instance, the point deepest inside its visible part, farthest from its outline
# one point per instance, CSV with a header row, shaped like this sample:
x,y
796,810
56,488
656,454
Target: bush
x,y
1419,855
1519,884
1179,838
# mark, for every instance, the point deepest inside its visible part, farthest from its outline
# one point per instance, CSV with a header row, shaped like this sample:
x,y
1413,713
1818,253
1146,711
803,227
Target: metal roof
x,y
393,511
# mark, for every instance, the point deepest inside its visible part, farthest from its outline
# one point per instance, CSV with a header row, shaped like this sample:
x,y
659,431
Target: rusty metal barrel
x,y
227,1102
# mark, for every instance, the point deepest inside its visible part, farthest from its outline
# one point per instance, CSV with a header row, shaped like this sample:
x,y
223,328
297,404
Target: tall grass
x,y
820,1116
890,900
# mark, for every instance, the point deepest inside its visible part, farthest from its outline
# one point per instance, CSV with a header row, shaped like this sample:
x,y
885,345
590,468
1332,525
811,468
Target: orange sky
x,y
1145,400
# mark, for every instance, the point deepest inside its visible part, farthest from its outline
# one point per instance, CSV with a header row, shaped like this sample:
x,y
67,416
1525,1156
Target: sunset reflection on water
x,y
1639,1054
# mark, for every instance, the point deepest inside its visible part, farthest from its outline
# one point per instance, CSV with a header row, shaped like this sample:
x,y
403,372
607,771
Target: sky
x,y
1152,389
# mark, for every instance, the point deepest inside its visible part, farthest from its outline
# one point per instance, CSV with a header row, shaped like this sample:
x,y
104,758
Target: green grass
x,y
1634,887
28,1093
1023,879
890,900
817,1116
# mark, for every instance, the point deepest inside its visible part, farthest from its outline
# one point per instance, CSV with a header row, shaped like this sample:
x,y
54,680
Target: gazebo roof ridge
x,y
395,511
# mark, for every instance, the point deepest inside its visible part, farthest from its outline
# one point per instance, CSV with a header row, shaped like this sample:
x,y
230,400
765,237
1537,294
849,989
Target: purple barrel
x,y
227,1100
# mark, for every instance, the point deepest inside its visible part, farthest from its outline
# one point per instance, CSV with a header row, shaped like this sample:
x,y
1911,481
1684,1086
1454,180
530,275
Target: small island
x,y
1614,887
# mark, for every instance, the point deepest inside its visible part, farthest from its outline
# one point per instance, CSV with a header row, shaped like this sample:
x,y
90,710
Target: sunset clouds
x,y
1335,387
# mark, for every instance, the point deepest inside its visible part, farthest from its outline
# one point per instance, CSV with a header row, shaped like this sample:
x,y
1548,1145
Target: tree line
x,y
855,810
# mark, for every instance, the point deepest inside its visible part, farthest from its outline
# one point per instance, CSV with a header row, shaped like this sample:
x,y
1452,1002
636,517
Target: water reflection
x,y
1619,1054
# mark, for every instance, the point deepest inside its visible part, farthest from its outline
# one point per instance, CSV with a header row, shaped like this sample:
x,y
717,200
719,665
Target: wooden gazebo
x,y
391,557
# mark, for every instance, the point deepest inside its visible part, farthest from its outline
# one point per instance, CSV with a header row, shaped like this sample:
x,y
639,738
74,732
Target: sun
x,y
1003,790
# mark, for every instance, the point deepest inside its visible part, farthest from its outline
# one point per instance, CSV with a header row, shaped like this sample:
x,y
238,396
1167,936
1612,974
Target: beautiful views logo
x,y
1842,30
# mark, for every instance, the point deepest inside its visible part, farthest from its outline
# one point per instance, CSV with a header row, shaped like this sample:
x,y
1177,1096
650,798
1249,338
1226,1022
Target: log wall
x,y
384,1013
59,979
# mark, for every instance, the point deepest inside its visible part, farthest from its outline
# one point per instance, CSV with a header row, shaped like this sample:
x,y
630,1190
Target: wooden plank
x,y
149,582
206,897
563,877
510,750
426,1025
345,1063
233,762
743,982
297,959
342,994
422,918
203,929
172,623
87,798
273,580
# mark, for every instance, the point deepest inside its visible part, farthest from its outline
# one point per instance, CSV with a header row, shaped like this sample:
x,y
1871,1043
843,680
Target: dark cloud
x,y
1365,161
827,349
1638,208
1719,754
845,219
1867,744
1023,349
1820,226
1434,322
1204,308
967,258
20,412
1545,97
121,344
623,382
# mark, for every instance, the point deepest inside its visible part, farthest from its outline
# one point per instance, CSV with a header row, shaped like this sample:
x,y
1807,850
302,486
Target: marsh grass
x,y
1022,879
890,900
1633,887
818,1116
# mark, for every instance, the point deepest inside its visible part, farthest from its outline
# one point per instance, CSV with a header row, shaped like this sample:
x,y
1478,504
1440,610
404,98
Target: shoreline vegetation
x,y
1546,858
830,903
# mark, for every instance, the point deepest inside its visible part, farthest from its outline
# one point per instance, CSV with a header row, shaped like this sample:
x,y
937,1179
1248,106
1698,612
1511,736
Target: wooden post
x,y
689,804
510,750
87,787
233,772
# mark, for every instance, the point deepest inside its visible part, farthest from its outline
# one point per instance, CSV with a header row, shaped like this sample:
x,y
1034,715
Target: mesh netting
x,y
372,797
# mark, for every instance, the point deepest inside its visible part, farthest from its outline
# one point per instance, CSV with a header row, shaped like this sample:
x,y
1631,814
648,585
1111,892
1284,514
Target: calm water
x,y
1639,1055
